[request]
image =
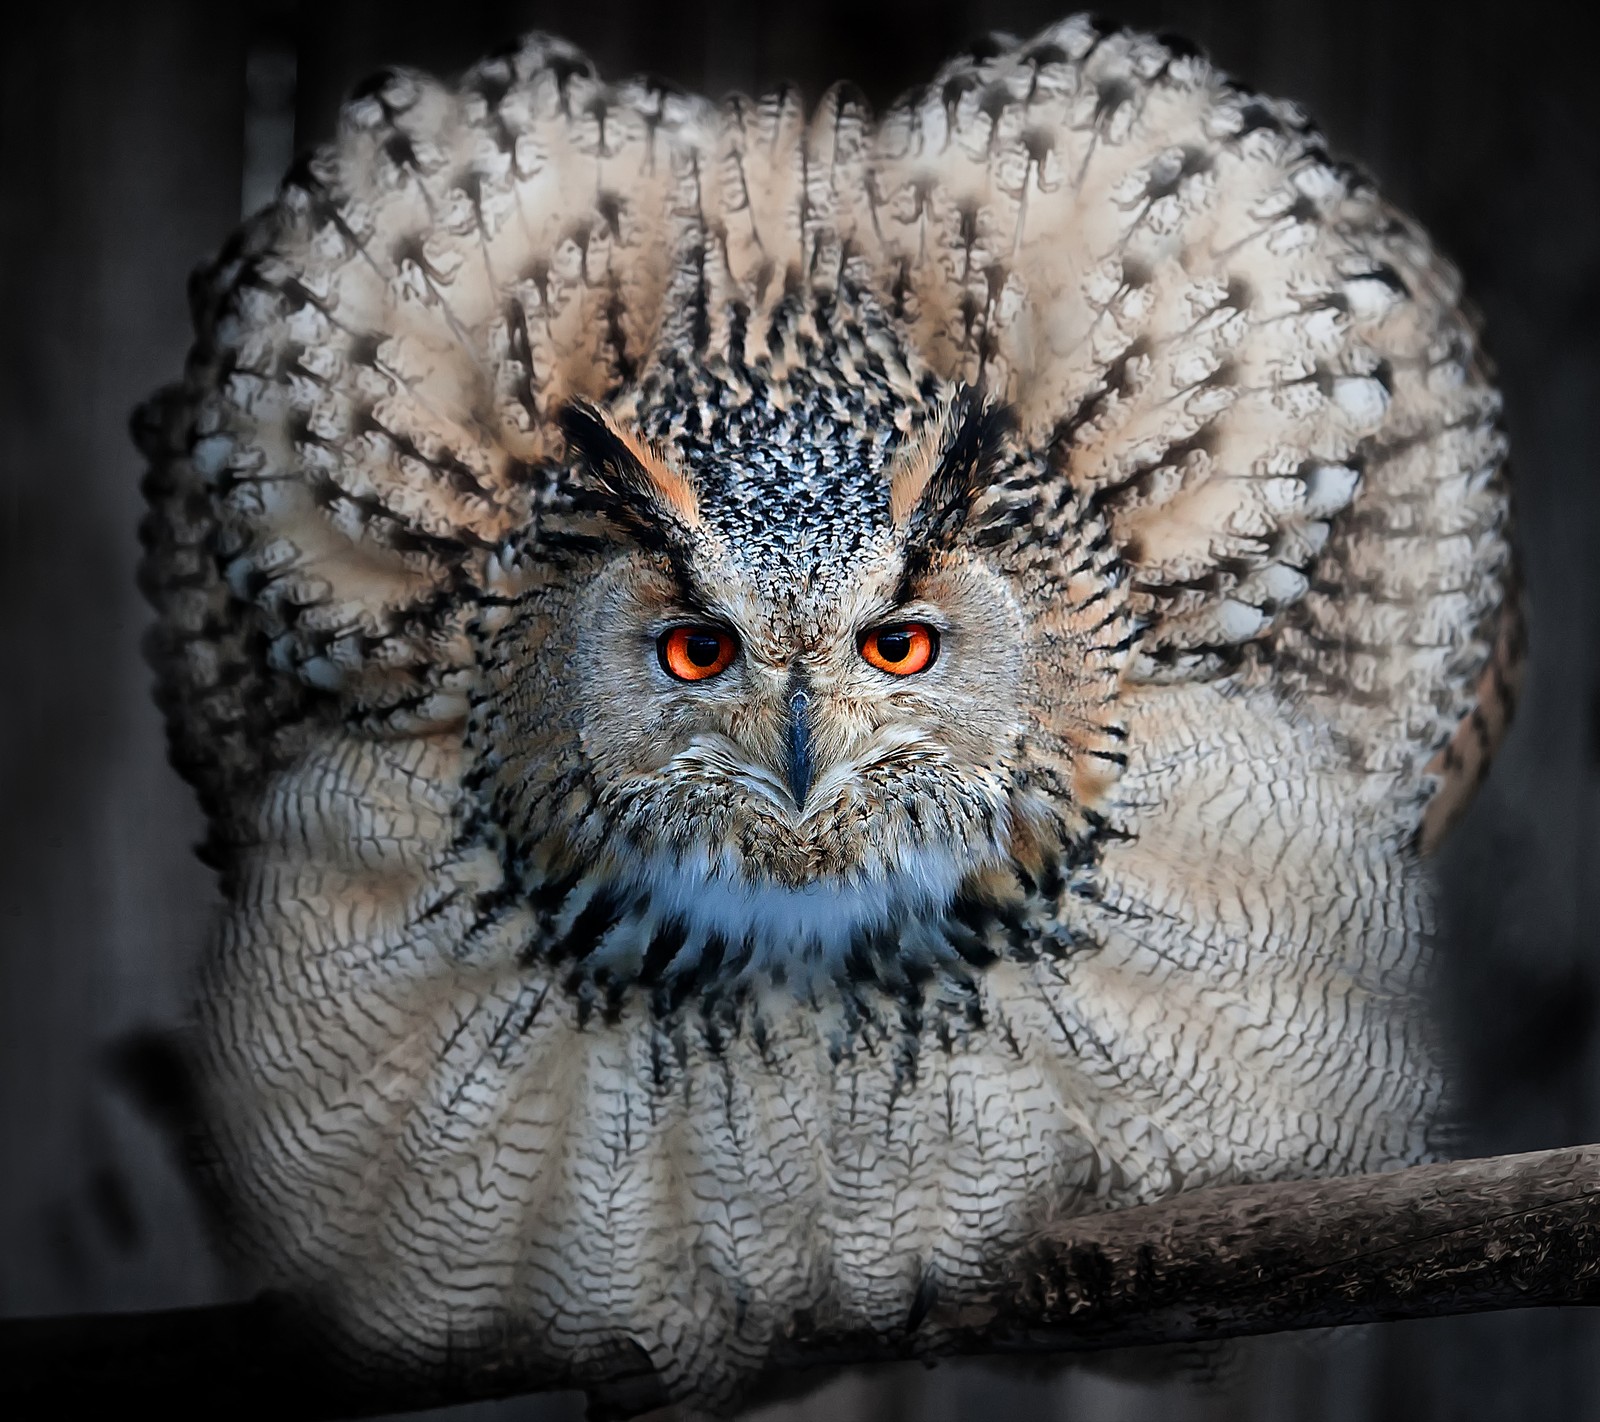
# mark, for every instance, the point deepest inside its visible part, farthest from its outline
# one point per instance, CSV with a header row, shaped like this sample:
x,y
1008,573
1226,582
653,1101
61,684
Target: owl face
x,y
799,737
778,710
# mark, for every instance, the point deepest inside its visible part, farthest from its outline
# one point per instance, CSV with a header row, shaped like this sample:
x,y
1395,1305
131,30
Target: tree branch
x,y
1507,1232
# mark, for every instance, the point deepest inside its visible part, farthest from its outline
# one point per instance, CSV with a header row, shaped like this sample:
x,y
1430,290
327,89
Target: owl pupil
x,y
702,648
894,646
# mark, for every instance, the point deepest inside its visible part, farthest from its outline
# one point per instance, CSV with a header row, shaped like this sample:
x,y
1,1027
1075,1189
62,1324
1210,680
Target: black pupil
x,y
703,648
894,646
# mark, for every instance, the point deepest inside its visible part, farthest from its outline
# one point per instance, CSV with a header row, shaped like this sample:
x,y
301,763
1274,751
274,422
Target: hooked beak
x,y
800,767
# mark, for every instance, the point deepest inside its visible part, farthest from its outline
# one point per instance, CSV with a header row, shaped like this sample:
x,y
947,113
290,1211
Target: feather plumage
x,y
1248,517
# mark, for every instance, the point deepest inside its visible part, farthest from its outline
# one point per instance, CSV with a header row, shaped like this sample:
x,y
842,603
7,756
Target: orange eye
x,y
695,653
902,649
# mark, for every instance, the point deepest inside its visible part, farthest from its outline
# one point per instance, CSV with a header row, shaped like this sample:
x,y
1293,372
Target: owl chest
x,y
460,1138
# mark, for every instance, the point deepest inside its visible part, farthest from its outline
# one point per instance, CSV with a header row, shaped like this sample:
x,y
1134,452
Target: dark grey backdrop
x,y
129,138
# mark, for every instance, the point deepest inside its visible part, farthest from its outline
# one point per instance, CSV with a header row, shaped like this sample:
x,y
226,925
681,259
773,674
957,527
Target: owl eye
x,y
696,653
902,648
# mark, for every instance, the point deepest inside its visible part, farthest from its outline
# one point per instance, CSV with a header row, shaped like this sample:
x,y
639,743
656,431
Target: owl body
x,y
785,699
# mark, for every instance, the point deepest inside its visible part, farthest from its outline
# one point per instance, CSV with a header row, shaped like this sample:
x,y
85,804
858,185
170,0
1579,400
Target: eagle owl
x,y
783,697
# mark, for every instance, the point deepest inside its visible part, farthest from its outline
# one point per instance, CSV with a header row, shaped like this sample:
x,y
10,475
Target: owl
x,y
784,698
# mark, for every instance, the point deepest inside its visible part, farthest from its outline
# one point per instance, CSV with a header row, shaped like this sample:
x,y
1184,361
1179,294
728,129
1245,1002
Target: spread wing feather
x,y
1257,370
369,408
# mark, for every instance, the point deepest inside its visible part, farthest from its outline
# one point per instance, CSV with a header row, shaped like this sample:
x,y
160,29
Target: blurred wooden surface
x,y
129,136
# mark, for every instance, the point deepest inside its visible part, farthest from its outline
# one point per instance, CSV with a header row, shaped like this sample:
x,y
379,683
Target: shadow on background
x,y
132,136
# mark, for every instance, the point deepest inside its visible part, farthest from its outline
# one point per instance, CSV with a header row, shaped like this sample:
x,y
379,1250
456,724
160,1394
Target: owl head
x,y
766,703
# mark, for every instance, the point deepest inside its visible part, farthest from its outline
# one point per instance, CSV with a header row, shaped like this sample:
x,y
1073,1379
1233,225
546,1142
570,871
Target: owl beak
x,y
800,766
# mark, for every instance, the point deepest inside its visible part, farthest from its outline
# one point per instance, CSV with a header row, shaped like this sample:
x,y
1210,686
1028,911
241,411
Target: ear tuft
x,y
631,471
942,468
914,464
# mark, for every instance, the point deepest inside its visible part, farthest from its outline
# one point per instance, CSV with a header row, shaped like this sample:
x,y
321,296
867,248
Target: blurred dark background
x,y
131,136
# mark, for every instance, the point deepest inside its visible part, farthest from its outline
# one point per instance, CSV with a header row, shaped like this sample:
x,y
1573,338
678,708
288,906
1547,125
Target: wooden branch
x,y
1508,1232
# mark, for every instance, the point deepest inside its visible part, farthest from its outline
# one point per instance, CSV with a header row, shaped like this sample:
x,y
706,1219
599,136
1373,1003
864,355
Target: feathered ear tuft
x,y
636,484
941,469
